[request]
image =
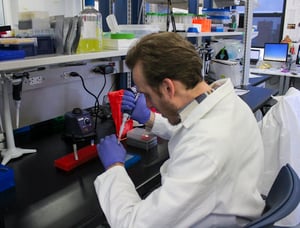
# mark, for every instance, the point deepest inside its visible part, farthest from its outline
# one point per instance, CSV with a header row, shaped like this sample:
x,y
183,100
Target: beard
x,y
175,121
170,112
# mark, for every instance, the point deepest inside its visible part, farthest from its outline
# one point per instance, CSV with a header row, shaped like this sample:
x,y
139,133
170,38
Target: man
x,y
215,147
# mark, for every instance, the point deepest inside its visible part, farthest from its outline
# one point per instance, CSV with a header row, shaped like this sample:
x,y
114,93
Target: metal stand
x,y
247,41
206,55
12,151
170,16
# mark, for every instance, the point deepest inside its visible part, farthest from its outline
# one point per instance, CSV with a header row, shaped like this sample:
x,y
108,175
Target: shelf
x,y
226,3
203,34
42,60
166,2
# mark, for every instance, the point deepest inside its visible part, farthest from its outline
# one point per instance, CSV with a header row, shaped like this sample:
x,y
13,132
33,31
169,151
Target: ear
x,y
168,88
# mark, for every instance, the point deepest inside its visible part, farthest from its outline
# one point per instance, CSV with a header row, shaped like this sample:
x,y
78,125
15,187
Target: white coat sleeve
x,y
167,206
162,127
117,195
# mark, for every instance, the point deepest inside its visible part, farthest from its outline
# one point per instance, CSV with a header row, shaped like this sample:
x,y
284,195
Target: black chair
x,y
282,199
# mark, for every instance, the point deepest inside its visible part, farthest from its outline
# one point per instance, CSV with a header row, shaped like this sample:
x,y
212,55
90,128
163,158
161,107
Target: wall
x,y
292,20
55,94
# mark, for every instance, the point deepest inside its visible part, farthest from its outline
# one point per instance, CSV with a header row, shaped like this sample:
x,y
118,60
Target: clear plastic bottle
x,y
90,21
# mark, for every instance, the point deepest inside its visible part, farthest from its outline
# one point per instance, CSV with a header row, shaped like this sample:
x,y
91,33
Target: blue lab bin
x,y
29,48
10,55
7,180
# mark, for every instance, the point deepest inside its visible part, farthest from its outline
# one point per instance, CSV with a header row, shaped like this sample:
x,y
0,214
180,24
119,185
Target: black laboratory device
x,y
79,125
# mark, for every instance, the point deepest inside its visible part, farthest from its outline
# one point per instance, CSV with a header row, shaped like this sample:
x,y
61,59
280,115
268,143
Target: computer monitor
x,y
298,56
277,52
254,56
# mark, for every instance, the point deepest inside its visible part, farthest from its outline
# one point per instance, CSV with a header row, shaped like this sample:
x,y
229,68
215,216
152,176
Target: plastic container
x,y
235,48
118,41
90,29
234,19
45,45
220,19
10,55
204,22
216,12
138,137
28,48
151,18
217,28
139,30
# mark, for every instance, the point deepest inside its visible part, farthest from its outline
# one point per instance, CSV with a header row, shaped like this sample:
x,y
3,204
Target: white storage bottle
x,y
90,21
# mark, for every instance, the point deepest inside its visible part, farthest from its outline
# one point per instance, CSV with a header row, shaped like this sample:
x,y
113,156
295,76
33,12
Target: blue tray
x,y
10,55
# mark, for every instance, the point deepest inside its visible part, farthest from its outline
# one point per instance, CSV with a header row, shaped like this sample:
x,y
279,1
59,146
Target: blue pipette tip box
x,y
131,159
7,180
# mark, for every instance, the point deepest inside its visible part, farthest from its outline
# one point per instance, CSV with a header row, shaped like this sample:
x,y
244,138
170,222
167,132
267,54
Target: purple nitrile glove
x,y
140,111
110,151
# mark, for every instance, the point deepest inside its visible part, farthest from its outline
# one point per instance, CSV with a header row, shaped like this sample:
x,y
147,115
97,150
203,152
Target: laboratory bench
x,y
257,97
258,79
45,196
263,100
285,78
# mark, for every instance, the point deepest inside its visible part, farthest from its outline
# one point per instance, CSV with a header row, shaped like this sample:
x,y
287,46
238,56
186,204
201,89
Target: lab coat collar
x,y
222,88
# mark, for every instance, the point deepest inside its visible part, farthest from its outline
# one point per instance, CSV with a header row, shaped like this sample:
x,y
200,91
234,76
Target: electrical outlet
x,y
66,75
35,80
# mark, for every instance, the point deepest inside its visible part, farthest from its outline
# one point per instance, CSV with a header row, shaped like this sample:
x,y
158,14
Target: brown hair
x,y
166,55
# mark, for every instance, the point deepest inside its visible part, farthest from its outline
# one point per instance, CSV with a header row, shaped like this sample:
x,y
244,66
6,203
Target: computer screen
x,y
276,52
298,56
254,54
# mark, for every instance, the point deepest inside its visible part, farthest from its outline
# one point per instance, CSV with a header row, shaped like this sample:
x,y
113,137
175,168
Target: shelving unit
x,y
248,35
247,39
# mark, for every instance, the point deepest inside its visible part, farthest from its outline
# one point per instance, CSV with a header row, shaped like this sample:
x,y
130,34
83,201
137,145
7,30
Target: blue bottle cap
x,y
89,2
193,30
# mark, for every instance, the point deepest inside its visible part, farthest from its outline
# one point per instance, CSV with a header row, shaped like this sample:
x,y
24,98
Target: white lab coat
x,y
210,179
280,129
